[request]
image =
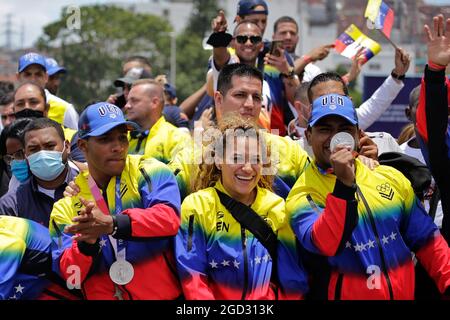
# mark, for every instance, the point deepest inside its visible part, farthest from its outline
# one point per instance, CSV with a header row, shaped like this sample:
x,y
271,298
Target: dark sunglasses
x,y
244,39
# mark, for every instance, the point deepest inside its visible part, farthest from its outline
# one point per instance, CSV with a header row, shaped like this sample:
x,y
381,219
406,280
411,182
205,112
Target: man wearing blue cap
x,y
172,111
33,67
363,223
124,218
55,73
255,11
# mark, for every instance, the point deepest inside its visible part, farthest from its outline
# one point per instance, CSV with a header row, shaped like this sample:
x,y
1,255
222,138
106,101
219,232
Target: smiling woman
x,y
230,228
239,153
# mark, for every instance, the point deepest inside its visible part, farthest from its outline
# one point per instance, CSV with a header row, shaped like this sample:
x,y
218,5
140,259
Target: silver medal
x,y
342,138
121,272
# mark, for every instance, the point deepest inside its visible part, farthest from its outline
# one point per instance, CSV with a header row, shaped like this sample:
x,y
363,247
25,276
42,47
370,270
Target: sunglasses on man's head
x,y
244,39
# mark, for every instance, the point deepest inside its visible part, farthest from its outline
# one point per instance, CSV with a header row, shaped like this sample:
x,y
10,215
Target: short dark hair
x,y
7,99
284,19
325,77
245,22
42,123
6,87
301,90
236,69
34,84
138,58
13,131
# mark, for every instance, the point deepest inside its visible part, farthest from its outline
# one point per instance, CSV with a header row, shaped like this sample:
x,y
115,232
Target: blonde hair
x,y
231,126
406,134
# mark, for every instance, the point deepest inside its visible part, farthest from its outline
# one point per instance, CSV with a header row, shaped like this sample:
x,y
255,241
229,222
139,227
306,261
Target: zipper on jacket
x,y
338,289
190,232
147,179
377,238
138,144
244,250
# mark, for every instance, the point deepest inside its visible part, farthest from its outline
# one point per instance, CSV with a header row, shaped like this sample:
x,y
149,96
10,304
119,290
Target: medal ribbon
x,y
119,246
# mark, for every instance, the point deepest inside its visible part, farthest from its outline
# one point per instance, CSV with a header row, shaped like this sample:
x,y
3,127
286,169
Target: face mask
x,y
46,165
29,113
20,170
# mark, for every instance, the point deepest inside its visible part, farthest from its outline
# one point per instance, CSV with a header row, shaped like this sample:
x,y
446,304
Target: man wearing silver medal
x,y
362,223
124,218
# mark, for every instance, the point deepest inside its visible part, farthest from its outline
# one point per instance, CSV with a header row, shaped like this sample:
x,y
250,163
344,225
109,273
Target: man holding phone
x,y
280,80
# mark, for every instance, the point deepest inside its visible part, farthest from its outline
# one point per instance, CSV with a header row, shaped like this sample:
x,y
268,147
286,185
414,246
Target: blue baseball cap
x,y
99,118
246,7
29,59
170,90
53,67
333,104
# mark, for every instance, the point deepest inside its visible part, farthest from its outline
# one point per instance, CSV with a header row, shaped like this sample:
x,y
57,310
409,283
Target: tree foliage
x,y
202,14
192,59
93,53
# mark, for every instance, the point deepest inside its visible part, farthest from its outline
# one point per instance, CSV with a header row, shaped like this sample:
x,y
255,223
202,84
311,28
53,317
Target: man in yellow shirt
x,y
32,67
157,138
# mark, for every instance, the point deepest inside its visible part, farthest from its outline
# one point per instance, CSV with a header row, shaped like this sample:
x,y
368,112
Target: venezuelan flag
x,y
380,15
352,39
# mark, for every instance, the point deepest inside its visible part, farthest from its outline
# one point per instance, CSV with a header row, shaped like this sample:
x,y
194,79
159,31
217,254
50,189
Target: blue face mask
x,y
20,170
46,165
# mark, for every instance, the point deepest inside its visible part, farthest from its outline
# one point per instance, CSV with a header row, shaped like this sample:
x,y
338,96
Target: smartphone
x,y
275,47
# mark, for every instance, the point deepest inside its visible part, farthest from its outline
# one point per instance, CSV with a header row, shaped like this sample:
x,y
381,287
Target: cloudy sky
x,y
36,14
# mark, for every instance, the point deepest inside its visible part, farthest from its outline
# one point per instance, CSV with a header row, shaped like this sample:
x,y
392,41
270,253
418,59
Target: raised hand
x,y
438,41
321,52
219,23
355,69
402,61
280,62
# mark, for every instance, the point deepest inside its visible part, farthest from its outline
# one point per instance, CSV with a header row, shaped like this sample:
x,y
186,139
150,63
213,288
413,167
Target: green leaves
x,y
94,53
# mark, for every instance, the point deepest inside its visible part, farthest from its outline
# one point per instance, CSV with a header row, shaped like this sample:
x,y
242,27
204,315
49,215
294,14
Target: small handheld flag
x,y
352,39
381,17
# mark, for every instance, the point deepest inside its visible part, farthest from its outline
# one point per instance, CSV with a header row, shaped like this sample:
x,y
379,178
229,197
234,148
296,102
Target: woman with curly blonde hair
x,y
217,256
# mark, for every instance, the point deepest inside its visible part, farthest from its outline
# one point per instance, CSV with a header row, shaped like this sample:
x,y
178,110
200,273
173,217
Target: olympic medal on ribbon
x,y
344,139
121,272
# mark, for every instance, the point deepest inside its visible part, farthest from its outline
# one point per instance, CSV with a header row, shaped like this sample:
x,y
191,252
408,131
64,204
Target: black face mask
x,y
29,113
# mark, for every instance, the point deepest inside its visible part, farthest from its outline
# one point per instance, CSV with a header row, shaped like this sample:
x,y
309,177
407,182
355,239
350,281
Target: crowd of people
x,y
263,184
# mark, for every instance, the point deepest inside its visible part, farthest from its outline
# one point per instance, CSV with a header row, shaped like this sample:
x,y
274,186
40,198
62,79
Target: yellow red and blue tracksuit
x,y
161,142
148,222
288,160
26,260
217,257
366,235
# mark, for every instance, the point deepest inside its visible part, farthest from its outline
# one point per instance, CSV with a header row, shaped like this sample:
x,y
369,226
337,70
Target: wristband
x,y
436,66
290,74
396,76
306,58
219,39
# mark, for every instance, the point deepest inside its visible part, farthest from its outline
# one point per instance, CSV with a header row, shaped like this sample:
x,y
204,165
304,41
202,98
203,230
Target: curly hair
x,y
230,127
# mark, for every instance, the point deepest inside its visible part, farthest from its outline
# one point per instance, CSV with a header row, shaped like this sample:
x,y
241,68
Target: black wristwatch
x,y
290,74
396,76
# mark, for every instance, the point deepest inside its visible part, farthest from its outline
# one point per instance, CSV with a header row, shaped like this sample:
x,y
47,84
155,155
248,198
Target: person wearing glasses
x,y
247,44
11,149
